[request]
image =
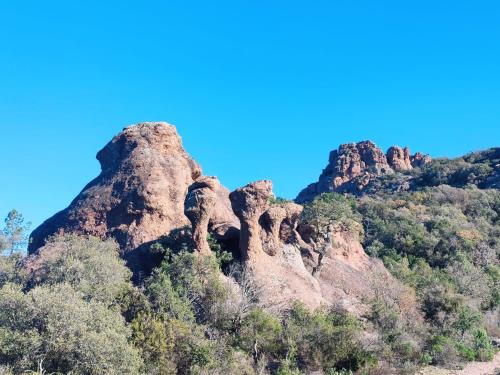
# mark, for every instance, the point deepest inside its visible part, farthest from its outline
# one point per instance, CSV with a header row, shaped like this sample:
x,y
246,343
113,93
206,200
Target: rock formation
x,y
199,205
139,194
249,203
419,160
275,265
149,187
353,166
399,158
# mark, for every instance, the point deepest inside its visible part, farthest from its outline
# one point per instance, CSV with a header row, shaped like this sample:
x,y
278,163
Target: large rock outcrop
x,y
139,194
419,160
275,265
149,187
353,166
290,261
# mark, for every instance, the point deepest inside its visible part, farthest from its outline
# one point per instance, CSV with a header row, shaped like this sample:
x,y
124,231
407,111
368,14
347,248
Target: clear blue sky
x,y
258,89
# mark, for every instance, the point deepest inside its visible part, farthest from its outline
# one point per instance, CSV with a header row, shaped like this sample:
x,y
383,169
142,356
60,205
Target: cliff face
x,y
351,168
149,186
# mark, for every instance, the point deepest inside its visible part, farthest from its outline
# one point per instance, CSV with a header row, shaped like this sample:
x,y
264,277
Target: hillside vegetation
x,y
73,309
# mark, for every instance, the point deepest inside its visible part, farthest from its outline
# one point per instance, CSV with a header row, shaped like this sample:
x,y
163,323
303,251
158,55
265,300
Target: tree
x,y
13,236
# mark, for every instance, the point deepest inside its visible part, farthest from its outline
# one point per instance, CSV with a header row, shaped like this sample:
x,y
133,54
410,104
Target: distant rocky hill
x,y
353,166
363,169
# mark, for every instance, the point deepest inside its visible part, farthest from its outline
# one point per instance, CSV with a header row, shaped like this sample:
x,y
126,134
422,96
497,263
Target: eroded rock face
x,y
223,224
399,158
249,203
149,187
353,166
198,207
349,169
346,273
269,249
139,195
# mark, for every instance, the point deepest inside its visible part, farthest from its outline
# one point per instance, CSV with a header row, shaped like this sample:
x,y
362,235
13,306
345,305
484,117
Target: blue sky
x,y
257,89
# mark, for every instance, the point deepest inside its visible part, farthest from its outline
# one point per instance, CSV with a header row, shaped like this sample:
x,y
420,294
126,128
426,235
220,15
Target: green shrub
x,y
91,266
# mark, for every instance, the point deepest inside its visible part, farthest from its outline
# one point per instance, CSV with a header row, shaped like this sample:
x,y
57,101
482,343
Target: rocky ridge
x,y
149,186
354,165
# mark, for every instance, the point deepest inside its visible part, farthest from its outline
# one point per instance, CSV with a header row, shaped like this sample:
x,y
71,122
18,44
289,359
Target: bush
x,y
91,266
53,323
325,339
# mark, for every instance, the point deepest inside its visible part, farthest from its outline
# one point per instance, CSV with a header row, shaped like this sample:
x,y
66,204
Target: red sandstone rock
x,y
353,166
198,207
139,195
399,158
349,168
249,203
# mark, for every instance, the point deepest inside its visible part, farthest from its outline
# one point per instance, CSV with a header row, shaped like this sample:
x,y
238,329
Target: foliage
x,y
329,211
476,168
85,263
325,339
13,237
70,334
443,242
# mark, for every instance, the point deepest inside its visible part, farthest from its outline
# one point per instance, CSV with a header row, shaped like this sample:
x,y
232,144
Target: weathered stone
x,y
349,169
198,207
354,166
419,160
249,203
139,195
399,158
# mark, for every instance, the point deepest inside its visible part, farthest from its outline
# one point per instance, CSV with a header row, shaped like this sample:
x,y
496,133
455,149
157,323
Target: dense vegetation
x,y
444,243
74,310
437,231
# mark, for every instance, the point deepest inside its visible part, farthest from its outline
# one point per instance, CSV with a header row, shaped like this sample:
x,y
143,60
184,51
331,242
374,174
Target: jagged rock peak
x,y
353,165
419,160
